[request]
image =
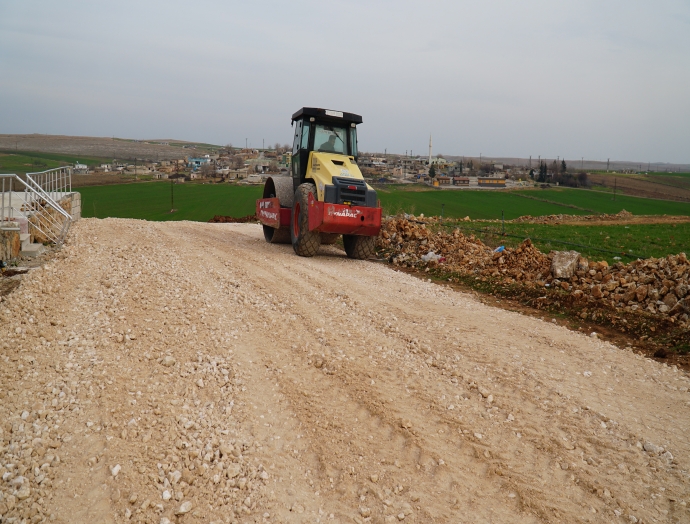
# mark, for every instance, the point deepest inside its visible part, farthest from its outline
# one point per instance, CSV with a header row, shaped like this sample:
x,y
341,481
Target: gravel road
x,y
186,372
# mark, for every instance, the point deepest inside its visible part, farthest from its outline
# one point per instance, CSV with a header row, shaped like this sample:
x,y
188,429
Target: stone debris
x,y
185,507
564,264
551,219
656,286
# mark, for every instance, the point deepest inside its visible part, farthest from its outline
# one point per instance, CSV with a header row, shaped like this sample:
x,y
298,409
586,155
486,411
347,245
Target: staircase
x,y
43,205
30,249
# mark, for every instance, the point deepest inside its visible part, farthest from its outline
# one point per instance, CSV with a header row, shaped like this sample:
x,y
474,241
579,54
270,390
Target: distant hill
x,y
103,147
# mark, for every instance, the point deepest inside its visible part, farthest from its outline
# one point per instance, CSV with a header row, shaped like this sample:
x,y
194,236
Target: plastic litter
x,y
499,249
432,257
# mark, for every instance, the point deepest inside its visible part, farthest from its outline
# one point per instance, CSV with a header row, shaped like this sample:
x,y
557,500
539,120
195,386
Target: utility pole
x,y
263,143
245,143
530,161
607,164
172,197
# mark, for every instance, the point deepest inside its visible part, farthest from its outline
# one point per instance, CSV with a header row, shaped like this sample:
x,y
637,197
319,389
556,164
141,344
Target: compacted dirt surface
x,y
187,372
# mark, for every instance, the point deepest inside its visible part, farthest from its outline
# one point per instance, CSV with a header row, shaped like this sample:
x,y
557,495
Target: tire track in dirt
x,y
552,443
285,389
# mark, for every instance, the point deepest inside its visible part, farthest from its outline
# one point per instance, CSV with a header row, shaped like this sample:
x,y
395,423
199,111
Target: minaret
x,y
429,150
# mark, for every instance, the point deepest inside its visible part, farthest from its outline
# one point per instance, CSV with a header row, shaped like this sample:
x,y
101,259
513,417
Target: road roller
x,y
325,195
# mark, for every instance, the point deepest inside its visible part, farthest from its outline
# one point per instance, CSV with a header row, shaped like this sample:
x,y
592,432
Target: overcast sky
x,y
588,78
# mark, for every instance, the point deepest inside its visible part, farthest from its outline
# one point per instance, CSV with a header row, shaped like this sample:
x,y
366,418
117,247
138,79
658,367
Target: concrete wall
x,y
75,206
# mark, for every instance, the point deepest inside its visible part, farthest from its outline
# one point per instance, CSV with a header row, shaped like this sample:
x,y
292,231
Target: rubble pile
x,y
655,286
409,243
220,219
550,219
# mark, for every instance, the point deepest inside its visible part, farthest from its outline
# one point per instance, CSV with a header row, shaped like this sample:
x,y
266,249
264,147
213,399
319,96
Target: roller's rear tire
x,y
305,243
359,247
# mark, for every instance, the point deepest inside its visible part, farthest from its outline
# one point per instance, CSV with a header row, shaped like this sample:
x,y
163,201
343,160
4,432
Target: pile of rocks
x,y
221,219
550,219
655,286
409,243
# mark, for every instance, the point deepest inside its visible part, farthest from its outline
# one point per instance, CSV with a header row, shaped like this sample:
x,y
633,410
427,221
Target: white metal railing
x,y
56,182
26,198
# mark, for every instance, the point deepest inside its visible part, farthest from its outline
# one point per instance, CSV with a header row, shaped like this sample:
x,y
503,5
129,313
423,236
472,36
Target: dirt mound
x,y
658,287
220,219
622,215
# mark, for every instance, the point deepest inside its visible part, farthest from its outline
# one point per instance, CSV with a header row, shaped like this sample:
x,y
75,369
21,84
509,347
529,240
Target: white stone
x,y
233,470
167,495
185,507
175,477
651,448
24,492
115,470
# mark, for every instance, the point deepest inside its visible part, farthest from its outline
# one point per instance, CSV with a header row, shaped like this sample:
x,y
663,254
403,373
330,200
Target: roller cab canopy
x,y
322,131
327,115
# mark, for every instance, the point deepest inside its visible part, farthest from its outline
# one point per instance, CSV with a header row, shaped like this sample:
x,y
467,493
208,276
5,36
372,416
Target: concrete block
x,y
564,264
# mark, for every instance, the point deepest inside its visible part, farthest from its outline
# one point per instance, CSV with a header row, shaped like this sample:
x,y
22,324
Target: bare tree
x,y
208,170
237,162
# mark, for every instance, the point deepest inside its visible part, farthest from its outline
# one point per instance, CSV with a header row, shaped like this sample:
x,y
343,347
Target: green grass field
x,y
635,240
461,203
24,162
600,202
151,201
536,202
